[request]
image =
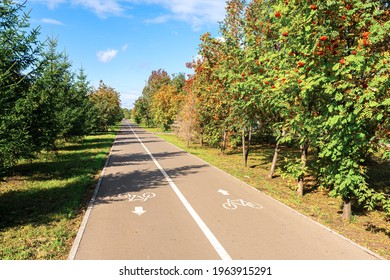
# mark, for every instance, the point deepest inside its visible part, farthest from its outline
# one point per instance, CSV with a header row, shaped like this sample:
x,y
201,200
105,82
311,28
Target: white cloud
x,y
129,97
195,12
101,7
125,47
159,19
52,4
107,55
51,21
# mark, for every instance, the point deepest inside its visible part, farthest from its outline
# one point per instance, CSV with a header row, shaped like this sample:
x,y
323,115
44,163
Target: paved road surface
x,y
158,202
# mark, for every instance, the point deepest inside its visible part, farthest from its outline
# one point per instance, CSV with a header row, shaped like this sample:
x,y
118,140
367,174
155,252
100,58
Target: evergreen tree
x,y
19,50
83,108
51,98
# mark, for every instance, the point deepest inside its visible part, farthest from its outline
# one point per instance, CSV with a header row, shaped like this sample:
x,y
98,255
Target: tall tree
x,y
262,78
215,118
79,115
188,115
334,59
19,51
357,107
165,105
237,84
106,104
50,97
156,80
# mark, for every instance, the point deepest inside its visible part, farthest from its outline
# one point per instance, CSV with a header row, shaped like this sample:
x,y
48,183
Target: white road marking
x,y
141,198
232,204
223,192
139,211
204,228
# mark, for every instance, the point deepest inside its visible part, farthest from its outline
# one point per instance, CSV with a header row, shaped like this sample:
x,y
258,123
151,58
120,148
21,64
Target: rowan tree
x,y
315,73
236,72
215,118
338,87
188,115
357,105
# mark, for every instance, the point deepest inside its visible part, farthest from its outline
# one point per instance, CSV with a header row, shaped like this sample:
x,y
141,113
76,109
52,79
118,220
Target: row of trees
x,y
313,73
41,100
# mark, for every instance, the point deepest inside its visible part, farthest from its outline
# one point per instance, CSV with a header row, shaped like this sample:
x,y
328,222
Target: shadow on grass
x,y
88,144
38,206
55,184
378,173
375,229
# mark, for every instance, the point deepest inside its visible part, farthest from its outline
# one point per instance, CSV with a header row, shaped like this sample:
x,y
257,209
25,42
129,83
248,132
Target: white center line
x,y
204,228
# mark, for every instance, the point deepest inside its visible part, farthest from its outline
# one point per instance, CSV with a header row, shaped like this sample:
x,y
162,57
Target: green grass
x,y
370,229
42,203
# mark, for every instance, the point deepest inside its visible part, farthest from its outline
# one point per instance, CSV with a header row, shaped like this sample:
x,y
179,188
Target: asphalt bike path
x,y
157,202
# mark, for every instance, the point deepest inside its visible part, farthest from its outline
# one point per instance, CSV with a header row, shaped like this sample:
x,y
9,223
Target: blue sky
x,y
122,41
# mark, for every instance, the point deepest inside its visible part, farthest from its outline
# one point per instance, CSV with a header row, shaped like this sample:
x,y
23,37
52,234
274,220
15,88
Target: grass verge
x,y
369,229
43,202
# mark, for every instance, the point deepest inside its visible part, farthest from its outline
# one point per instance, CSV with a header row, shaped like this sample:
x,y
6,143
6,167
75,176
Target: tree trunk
x,y
274,160
147,122
301,178
347,209
224,142
189,133
188,138
249,144
245,147
201,140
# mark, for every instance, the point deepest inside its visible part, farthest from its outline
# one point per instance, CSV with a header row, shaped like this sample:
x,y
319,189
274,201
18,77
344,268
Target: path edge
x,y
83,225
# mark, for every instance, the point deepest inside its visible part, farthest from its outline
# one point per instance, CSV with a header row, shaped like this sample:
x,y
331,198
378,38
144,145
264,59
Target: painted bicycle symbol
x,y
233,204
141,198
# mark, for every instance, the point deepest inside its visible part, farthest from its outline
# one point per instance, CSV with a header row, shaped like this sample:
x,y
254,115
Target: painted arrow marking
x,y
139,211
223,192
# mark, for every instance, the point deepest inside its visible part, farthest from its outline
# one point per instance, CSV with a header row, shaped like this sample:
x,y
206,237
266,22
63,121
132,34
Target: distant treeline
x,y
42,101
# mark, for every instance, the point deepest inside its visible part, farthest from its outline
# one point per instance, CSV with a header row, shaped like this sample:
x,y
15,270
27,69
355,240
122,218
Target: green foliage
x,y
316,73
160,100
106,107
51,97
165,104
19,50
127,113
143,106
42,101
